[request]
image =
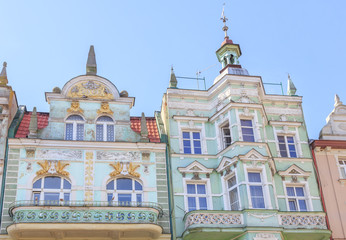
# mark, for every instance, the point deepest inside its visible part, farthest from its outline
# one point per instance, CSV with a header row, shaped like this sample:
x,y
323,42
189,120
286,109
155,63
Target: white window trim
x,y
133,192
255,124
264,184
341,168
74,127
306,189
104,126
202,140
286,143
43,190
207,191
227,201
288,132
222,141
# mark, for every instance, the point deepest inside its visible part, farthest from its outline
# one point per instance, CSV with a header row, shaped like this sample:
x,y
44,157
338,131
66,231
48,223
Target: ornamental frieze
x,y
120,156
90,89
59,154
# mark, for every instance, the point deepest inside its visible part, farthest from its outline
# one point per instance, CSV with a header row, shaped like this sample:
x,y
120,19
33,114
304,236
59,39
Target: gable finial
x,y
3,75
173,80
33,124
91,67
144,129
337,100
224,20
291,89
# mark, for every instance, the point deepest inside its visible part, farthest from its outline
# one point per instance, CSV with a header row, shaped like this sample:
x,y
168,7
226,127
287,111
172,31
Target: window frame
x,y
191,140
115,192
342,167
256,184
296,198
225,125
207,194
229,189
287,144
75,124
42,190
105,128
247,127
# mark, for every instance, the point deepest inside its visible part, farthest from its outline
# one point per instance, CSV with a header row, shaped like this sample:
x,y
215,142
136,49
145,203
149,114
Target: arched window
x,y
124,190
74,128
51,190
105,129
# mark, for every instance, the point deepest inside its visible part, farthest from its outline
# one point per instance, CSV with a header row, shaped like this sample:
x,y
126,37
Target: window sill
x,y
342,181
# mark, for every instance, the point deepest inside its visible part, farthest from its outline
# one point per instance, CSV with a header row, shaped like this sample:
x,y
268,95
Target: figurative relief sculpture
x,y
105,109
75,108
120,170
52,167
90,89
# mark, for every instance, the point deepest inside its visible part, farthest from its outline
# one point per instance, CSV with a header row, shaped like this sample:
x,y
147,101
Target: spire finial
x,y
224,20
91,67
337,100
3,75
173,80
291,89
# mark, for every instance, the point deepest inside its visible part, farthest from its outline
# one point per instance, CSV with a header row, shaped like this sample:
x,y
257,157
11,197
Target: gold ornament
x,y
104,109
75,108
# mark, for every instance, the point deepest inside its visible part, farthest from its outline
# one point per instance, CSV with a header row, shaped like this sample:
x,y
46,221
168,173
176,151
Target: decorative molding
x,y
195,167
226,162
213,218
52,167
265,236
59,154
294,171
121,168
90,89
262,216
119,156
254,157
30,152
104,109
303,220
75,108
89,176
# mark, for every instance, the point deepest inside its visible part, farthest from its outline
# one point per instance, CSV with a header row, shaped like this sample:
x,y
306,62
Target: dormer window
x,y
105,129
74,128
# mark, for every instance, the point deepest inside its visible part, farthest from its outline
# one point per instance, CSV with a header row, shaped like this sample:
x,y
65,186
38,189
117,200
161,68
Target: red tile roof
x,y
23,129
151,125
42,122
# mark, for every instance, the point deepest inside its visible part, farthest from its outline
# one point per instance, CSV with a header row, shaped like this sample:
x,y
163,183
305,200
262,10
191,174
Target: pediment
x,y
226,162
294,170
195,167
253,155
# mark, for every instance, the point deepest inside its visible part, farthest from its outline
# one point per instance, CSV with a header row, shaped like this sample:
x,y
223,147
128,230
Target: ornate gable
x,y
295,171
195,167
226,162
252,156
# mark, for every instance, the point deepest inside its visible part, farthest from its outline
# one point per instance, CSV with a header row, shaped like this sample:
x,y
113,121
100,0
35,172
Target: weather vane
x,y
224,20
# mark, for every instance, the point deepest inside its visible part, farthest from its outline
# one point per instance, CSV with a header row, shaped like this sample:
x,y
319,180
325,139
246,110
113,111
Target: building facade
x,y
239,159
330,160
86,169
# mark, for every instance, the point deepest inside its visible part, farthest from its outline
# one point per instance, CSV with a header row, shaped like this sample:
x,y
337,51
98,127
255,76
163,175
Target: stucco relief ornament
x,y
90,89
120,169
75,108
52,167
104,109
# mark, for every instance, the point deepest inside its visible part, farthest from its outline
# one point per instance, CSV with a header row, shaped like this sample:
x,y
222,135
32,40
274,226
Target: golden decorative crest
x,y
75,108
90,89
104,109
52,167
119,169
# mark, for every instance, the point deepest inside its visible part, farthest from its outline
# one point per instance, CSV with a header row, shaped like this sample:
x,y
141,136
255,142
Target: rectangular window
x,y
80,132
247,130
226,135
110,133
256,190
287,147
192,142
296,199
342,165
233,193
99,132
196,197
69,131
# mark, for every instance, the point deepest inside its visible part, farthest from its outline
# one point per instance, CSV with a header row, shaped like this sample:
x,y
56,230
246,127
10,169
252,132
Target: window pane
x,y
52,183
99,132
231,182
246,123
187,150
247,131
66,197
203,203
80,132
36,197
233,198
124,197
302,205
292,205
300,191
187,143
281,139
69,131
138,186
124,184
67,184
51,198
256,191
37,184
257,202
290,191
110,133
104,119
254,177
290,140
248,138
186,135
139,197
191,188
110,185
191,203
293,154
200,189
196,135
109,197
198,150
197,143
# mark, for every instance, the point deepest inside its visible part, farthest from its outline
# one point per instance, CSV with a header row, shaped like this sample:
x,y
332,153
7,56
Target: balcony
x,y
230,224
86,220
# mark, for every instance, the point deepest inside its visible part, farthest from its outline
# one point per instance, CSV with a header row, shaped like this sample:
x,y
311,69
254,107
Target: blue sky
x,y
46,43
